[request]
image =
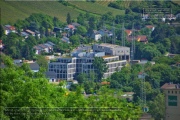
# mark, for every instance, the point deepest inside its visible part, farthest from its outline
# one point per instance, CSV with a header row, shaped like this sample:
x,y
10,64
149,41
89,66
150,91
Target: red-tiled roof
x,y
149,26
142,38
71,26
10,27
105,83
128,32
170,86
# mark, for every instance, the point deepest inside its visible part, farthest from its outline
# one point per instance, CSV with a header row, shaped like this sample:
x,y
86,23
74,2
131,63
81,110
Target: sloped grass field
x,y
11,11
104,2
95,8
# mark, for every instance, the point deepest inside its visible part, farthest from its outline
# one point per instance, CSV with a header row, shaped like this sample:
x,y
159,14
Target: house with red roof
x,y
151,27
128,32
142,38
70,27
8,29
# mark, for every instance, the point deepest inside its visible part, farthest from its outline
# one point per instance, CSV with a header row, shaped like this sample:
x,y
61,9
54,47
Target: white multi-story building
x,y
68,68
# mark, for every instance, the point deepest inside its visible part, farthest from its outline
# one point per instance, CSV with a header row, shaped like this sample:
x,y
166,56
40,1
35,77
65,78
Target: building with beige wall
x,y
172,101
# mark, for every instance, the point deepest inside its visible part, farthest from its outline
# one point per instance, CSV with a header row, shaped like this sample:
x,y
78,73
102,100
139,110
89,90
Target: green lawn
x,y
11,11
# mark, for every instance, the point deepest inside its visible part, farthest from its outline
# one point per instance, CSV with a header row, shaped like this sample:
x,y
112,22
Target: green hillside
x,y
11,11
95,7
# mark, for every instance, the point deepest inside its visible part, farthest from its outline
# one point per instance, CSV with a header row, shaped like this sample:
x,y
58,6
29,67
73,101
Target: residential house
x,y
46,47
151,27
128,32
37,33
24,34
170,17
70,27
16,61
64,34
171,55
30,32
96,35
76,25
53,34
52,76
65,39
52,44
145,16
8,29
34,67
105,32
142,38
57,29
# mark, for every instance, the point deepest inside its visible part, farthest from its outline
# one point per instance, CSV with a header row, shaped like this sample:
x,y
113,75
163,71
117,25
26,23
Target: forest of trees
x,y
34,98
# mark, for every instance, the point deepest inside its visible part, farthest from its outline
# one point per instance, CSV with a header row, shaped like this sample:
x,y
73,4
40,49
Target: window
x,y
172,92
172,100
168,91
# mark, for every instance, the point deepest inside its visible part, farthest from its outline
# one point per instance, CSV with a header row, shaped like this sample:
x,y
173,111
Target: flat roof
x,y
111,45
108,56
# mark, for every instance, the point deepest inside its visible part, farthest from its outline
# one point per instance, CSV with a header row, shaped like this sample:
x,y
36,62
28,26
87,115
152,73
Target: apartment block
x,y
68,68
115,50
172,101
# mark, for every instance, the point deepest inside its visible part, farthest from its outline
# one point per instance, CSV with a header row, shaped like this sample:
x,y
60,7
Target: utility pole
x,y
143,92
104,37
113,39
122,35
132,44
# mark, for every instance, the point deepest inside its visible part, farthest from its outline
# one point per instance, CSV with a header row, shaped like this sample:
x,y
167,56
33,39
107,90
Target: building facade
x,y
115,50
68,68
172,101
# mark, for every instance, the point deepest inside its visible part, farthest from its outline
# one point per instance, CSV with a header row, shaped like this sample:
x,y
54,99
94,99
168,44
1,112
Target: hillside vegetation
x,y
11,11
95,8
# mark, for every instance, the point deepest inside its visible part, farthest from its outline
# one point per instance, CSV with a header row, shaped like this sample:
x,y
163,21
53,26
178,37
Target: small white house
x,y
51,75
96,35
